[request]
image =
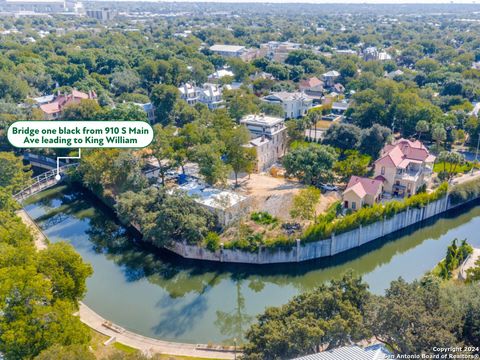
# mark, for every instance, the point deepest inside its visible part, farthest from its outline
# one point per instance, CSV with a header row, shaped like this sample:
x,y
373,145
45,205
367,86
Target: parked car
x,y
328,187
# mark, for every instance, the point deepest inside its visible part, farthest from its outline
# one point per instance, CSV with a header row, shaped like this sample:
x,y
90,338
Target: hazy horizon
x,y
356,2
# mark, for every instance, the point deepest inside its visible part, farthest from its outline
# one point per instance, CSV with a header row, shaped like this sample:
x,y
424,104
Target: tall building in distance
x,y
103,14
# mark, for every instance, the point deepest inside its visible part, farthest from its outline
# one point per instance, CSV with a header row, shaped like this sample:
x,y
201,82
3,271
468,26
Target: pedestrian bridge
x,y
44,181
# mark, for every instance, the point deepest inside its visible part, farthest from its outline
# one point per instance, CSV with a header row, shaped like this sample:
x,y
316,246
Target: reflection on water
x,y
160,295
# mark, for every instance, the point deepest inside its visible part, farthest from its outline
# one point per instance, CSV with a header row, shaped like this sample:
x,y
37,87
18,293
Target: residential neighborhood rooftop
x,y
261,119
363,186
376,352
212,197
227,48
403,152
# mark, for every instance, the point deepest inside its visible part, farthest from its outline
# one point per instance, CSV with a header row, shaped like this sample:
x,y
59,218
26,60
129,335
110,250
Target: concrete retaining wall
x,y
334,245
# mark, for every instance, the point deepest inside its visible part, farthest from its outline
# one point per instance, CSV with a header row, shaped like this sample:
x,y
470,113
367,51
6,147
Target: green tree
x,y
123,112
343,136
238,156
373,139
66,271
439,135
211,165
240,103
421,128
162,148
304,203
451,161
354,163
164,98
311,164
413,306
13,175
70,352
166,216
85,110
330,316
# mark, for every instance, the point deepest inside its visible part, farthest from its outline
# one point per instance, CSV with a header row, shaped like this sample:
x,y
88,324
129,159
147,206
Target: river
x,y
157,294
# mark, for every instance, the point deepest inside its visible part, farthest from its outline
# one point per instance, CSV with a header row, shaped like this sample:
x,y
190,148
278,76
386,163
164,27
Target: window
x,y
383,170
354,205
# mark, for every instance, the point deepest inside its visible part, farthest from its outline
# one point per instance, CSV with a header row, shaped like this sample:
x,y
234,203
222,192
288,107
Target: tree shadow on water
x,y
178,320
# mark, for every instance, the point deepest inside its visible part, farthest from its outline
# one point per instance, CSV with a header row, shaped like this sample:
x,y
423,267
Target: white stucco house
x,y
294,104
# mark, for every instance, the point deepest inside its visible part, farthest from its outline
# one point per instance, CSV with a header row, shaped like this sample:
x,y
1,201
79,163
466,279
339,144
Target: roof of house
x,y
363,186
187,88
376,352
227,48
331,73
63,99
211,90
44,99
310,83
50,108
287,96
403,152
261,120
476,109
340,105
221,73
258,141
212,197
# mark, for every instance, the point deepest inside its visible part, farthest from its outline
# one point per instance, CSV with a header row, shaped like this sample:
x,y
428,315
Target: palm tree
x,y
421,127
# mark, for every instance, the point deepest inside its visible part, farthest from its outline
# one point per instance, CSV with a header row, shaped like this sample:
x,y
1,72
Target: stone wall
x,y
321,248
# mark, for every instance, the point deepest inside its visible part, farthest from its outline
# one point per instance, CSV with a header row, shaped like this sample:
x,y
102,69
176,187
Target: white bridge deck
x,y
43,181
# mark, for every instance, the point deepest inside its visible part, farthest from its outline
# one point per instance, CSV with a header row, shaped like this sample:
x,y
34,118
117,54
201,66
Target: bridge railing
x,y
42,181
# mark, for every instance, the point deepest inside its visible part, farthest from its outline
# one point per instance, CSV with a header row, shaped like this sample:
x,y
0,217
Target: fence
x,y
321,248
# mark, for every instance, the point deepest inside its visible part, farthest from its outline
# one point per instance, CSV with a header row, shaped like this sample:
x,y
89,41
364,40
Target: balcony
x,y
409,175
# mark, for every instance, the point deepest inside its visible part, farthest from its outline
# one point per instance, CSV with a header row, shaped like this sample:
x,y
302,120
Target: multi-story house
x,y
312,86
373,54
190,93
228,50
294,104
278,51
149,110
211,95
404,167
52,106
330,78
268,137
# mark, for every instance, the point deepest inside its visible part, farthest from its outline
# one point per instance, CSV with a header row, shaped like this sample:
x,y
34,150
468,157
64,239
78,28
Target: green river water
x,y
160,295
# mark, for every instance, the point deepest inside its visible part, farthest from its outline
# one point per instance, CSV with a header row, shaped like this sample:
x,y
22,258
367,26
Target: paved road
x,y
466,177
142,343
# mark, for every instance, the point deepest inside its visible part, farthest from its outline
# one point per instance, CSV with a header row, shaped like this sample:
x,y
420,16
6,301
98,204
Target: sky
x,y
330,1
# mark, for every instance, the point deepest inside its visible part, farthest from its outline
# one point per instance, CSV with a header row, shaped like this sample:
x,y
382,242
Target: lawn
x,y
124,348
439,167
324,124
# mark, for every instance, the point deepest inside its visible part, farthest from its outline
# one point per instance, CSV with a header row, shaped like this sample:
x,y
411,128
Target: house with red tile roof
x,y
362,191
404,167
52,110
312,86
